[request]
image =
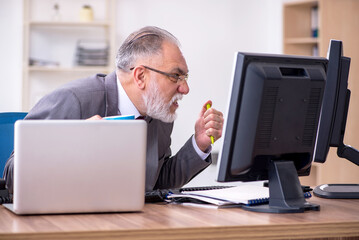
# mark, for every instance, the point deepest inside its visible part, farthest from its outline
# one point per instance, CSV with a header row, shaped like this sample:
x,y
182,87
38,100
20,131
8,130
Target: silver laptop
x,y
78,166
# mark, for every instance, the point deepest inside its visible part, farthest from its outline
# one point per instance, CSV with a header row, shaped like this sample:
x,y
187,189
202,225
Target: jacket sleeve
x,y
8,173
179,169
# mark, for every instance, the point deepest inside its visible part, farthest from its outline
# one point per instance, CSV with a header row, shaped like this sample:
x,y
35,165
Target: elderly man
x,y
150,79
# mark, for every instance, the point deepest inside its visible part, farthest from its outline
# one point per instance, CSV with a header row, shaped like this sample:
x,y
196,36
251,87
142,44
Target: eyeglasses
x,y
173,77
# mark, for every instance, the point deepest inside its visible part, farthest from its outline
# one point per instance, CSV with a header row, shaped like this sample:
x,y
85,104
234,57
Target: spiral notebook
x,y
238,195
224,196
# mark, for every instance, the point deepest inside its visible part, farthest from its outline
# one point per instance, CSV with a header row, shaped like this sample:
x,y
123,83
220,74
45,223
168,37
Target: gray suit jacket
x,y
84,98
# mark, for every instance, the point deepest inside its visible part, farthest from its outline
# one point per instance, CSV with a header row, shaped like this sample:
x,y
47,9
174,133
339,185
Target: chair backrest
x,y
7,121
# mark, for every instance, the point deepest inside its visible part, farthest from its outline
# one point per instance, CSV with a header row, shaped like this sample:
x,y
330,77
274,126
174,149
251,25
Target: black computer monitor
x,y
271,125
333,120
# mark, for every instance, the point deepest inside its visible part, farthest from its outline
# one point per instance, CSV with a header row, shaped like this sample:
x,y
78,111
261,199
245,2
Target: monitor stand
x,y
285,192
339,191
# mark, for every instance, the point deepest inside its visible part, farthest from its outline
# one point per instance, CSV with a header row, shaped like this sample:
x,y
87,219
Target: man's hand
x,y
209,123
95,117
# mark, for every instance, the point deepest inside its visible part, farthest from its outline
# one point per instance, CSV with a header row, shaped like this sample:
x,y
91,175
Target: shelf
x,y
305,40
100,69
54,41
69,24
302,3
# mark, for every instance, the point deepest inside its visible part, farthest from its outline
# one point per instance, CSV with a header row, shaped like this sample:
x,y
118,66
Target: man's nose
x,y
183,87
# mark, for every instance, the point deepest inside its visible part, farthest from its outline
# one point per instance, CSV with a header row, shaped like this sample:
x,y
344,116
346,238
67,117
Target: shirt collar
x,y
125,106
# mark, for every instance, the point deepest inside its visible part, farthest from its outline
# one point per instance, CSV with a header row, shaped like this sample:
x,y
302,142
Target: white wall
x,y
10,55
210,32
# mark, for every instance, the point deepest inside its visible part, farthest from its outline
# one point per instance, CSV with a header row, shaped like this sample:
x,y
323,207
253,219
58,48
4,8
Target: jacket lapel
x,y
111,95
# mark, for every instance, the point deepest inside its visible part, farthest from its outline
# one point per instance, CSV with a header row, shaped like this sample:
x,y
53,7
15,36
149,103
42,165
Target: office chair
x,y
7,121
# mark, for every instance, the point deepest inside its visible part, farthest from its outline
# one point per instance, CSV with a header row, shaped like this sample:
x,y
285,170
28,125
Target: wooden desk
x,y
337,218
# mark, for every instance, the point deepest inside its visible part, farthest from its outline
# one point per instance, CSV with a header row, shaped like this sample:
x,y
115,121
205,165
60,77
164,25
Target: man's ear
x,y
139,77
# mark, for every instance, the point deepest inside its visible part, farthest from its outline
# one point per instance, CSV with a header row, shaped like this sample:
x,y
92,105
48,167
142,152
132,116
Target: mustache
x,y
176,97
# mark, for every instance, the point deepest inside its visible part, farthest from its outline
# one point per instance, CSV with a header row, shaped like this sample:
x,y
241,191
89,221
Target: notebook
x,y
78,166
248,194
238,195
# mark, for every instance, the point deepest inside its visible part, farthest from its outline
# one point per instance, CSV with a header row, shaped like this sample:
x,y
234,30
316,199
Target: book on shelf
x,y
314,21
43,63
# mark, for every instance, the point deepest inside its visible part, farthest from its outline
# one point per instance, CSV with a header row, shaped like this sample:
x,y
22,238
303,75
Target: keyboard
x,y
189,189
159,195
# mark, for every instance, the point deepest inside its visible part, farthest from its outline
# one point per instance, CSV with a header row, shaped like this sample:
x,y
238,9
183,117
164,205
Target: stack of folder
x,y
92,53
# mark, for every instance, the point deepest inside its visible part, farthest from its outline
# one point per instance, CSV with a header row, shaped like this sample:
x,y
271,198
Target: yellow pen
x,y
212,138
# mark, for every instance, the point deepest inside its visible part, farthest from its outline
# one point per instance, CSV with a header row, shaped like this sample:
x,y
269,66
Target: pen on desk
x,y
212,138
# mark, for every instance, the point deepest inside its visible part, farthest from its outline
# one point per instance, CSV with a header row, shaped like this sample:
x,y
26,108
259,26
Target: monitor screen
x,y
271,123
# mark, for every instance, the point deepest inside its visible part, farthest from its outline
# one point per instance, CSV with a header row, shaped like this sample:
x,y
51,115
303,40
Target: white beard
x,y
156,106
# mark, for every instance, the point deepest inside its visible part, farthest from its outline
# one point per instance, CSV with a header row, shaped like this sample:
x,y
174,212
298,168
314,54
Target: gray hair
x,y
143,43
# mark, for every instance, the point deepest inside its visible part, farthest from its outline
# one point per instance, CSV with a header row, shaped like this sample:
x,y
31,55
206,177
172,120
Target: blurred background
x,y
46,43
